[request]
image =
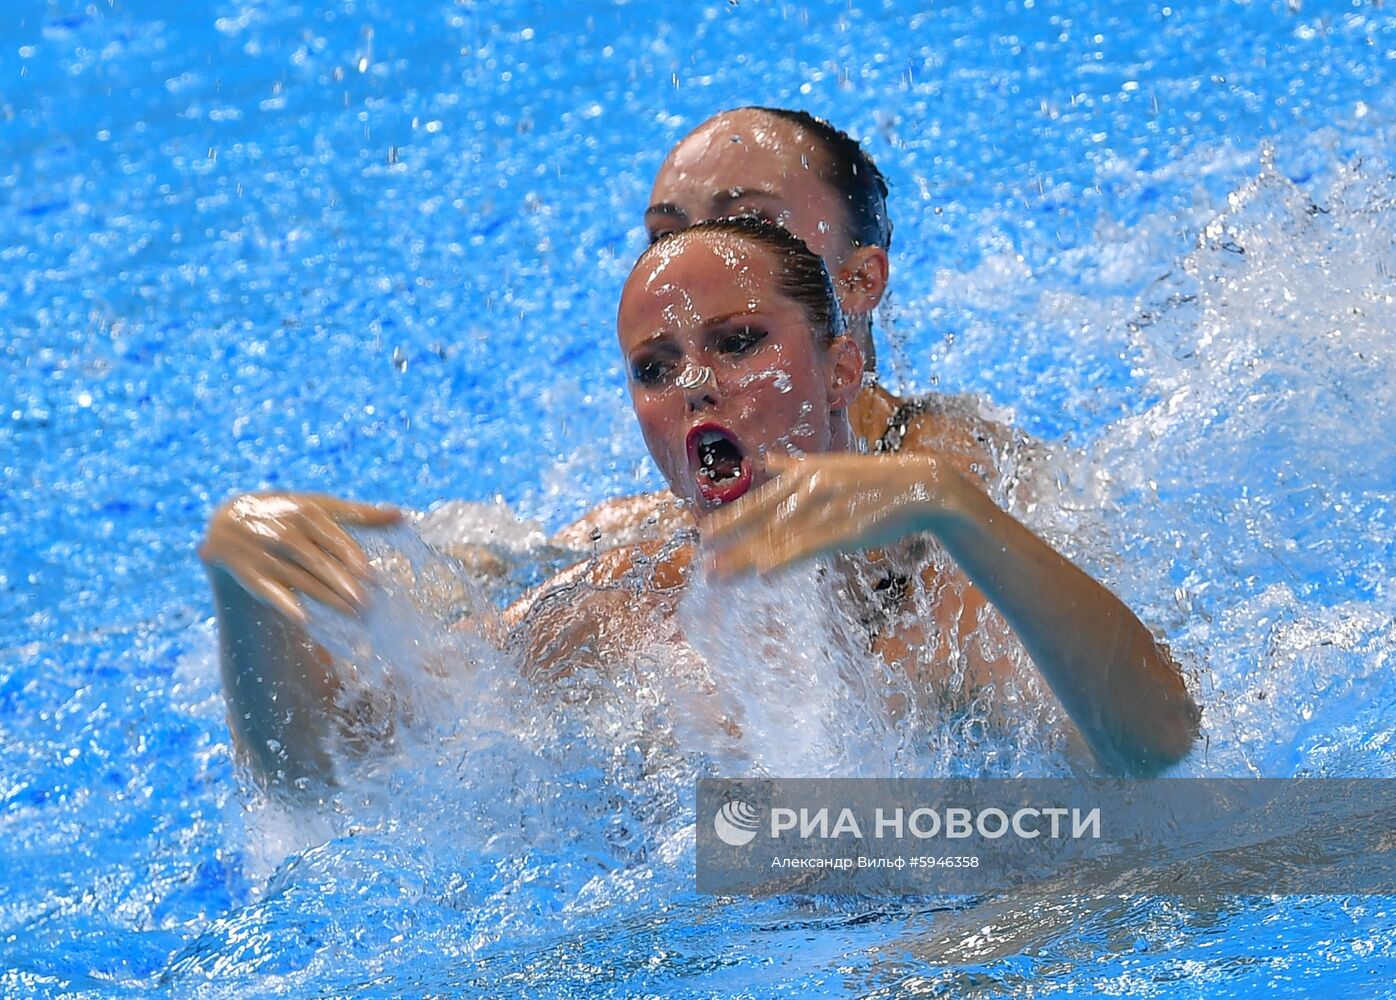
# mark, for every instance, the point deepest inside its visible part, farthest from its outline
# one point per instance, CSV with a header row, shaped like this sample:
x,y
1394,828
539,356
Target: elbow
x,y
1167,740
1171,723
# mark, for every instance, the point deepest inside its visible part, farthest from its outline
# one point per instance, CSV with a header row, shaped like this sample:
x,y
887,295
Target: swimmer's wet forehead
x,y
747,162
739,153
672,286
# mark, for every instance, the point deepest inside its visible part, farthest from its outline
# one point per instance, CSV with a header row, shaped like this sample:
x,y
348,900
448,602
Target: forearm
x,y
278,686
1119,687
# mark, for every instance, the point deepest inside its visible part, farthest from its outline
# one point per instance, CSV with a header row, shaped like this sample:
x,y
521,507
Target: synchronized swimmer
x,y
748,383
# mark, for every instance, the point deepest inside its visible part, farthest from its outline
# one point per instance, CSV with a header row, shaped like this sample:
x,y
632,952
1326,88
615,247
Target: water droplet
x,y
399,360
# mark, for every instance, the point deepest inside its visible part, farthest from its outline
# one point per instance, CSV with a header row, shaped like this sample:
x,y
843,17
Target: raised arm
x,y
1118,685
264,554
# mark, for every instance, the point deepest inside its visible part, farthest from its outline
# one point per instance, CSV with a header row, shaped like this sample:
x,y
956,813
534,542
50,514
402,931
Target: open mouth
x,y
721,470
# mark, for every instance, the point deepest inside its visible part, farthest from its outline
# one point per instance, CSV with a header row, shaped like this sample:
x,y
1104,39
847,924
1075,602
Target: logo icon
x,y
735,823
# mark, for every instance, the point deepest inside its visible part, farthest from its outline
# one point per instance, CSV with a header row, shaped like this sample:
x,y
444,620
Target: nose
x,y
699,385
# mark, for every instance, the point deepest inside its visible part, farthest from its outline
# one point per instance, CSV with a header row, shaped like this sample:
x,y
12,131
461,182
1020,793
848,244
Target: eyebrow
x,y
730,196
720,200
708,324
666,208
713,321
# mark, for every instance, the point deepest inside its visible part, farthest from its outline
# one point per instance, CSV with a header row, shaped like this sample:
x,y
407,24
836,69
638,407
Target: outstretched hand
x,y
280,546
827,503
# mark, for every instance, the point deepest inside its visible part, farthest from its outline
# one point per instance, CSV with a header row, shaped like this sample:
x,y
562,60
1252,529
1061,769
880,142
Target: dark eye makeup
x,y
650,371
654,369
741,340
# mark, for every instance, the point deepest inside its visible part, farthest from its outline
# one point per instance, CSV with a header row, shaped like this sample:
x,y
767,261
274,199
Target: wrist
x,y
943,498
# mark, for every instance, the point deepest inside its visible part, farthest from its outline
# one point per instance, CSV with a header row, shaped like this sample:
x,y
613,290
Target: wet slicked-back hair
x,y
851,172
800,273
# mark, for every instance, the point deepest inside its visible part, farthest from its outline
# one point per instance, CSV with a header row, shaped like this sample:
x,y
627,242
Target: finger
x,y
795,507
296,548
312,562
276,597
325,531
369,515
299,580
785,514
778,463
771,558
756,556
804,536
743,555
730,522
732,562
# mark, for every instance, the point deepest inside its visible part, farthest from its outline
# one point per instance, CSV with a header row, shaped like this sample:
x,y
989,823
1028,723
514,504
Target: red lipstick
x,y
720,467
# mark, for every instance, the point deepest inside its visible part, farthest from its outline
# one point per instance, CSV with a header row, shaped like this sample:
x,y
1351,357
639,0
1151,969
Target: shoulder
x,y
649,566
652,564
955,427
933,422
625,521
594,613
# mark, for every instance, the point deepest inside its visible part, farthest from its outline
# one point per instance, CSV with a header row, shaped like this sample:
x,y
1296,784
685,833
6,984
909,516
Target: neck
x,y
841,433
860,329
870,412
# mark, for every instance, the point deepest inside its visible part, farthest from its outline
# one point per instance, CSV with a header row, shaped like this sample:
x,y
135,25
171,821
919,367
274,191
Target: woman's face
x,y
724,368
747,162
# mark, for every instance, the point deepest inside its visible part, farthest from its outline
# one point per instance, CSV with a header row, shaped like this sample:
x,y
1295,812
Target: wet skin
x,y
810,495
748,162
266,553
780,391
713,350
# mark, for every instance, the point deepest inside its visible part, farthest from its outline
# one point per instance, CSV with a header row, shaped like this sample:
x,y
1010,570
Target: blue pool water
x,y
373,248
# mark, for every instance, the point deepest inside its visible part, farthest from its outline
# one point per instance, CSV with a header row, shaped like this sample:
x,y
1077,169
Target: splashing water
x,y
791,672
204,293
568,800
1251,497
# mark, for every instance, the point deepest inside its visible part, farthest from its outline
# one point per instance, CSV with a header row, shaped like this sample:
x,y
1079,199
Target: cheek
x,y
655,414
648,410
781,381
786,397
